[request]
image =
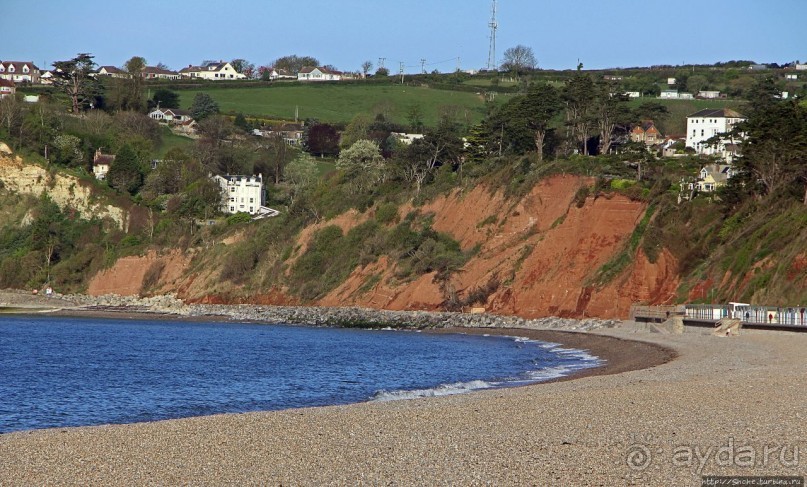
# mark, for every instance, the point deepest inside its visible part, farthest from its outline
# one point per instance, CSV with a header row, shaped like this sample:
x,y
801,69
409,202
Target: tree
x,y
535,112
366,66
241,122
578,96
274,155
72,77
203,106
300,174
134,83
775,149
125,173
519,59
321,139
244,67
650,110
362,163
381,71
696,83
415,117
357,129
610,110
165,98
295,63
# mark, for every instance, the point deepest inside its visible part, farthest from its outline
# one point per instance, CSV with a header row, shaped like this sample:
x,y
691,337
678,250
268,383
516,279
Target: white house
x,y
710,122
674,95
318,74
19,71
154,72
405,138
801,67
172,116
112,72
101,163
7,88
212,71
791,77
670,81
708,94
241,193
279,74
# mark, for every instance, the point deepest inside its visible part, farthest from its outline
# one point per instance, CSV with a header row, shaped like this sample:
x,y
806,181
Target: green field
x,y
171,140
340,103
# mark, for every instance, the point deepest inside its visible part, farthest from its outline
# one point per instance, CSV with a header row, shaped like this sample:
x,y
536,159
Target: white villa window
x,y
11,68
232,208
232,190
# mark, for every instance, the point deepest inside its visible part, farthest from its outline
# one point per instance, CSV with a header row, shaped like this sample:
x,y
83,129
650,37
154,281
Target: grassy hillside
x,y
340,103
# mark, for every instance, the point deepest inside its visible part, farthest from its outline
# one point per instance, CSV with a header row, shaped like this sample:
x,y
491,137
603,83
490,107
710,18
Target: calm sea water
x,y
57,372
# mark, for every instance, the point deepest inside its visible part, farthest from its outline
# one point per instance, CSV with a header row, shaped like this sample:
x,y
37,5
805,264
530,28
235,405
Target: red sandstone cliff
x,y
543,249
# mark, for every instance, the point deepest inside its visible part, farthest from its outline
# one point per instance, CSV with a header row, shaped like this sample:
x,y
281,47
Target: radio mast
x,y
492,49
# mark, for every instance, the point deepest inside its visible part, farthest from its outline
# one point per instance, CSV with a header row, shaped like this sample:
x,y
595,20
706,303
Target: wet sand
x,y
616,425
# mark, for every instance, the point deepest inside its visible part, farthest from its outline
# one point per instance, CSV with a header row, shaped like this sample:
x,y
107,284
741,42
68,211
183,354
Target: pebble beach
x,y
665,410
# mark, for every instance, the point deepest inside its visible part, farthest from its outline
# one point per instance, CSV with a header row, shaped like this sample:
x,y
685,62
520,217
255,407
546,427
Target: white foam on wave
x,y
441,390
585,360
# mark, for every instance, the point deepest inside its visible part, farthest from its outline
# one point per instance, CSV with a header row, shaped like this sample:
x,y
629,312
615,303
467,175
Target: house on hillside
x,y
172,116
711,177
212,71
19,71
647,133
7,88
309,73
112,72
405,138
292,133
710,94
791,77
154,72
101,163
241,194
46,77
714,123
274,74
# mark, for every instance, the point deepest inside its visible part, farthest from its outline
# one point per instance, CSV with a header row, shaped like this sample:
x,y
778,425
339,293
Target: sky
x,y
445,33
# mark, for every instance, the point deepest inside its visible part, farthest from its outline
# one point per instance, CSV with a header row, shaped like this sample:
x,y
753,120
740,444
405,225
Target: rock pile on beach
x,y
329,316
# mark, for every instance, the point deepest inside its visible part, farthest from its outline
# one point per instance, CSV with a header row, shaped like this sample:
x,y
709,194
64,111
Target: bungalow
x,y
801,67
274,74
171,116
405,138
791,77
46,78
155,72
7,88
112,72
212,71
19,71
646,132
713,122
674,95
710,94
318,74
101,163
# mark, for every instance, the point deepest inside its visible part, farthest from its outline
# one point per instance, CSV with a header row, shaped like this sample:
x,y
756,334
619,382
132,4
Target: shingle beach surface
x,y
741,394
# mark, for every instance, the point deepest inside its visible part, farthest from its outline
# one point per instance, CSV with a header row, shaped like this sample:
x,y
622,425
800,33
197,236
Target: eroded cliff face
x,y
543,249
66,191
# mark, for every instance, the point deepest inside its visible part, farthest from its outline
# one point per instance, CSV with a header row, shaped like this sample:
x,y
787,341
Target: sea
x,y
61,372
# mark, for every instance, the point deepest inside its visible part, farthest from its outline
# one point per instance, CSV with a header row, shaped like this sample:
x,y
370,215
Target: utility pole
x,y
401,72
458,64
422,65
381,62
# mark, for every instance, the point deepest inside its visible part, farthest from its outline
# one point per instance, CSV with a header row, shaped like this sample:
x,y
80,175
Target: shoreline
x,y
618,355
706,394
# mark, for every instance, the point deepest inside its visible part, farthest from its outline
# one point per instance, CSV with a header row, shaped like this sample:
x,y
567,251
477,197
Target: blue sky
x,y
345,33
